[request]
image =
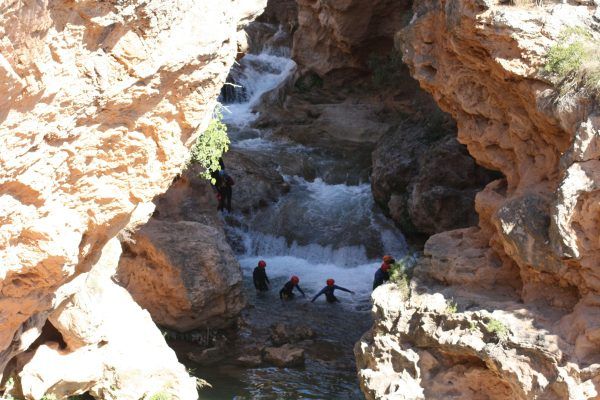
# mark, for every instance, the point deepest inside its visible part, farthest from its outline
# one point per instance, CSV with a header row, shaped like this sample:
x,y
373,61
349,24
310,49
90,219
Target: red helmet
x,y
388,259
385,267
295,279
262,263
330,282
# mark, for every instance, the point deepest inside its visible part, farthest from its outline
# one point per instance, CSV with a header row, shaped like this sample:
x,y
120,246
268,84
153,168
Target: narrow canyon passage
x,y
326,225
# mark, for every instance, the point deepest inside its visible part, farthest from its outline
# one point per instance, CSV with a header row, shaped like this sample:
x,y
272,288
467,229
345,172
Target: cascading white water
x,y
318,230
255,75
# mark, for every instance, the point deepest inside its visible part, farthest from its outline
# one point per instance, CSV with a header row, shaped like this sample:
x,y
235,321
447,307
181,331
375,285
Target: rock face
x,y
509,309
341,35
425,179
112,345
100,104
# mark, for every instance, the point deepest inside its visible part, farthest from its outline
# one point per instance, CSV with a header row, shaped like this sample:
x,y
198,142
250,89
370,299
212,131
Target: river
x,y
326,226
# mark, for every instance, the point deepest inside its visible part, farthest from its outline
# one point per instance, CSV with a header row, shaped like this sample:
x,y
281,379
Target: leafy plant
x,y
496,327
210,146
399,275
451,307
573,62
472,326
160,396
8,386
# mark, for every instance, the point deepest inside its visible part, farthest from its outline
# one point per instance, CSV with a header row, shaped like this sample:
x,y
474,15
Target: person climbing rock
x,y
286,293
224,184
259,276
382,274
328,291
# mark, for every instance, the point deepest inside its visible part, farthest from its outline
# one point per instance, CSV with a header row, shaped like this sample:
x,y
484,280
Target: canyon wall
x,y
353,95
508,309
101,101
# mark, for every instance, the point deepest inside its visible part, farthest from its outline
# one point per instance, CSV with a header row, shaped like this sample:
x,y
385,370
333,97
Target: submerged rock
x,y
282,333
284,356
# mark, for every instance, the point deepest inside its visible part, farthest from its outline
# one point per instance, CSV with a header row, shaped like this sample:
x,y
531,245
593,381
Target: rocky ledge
x,y
509,309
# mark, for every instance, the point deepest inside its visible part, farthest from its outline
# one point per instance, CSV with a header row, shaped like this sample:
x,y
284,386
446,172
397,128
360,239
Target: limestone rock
x,y
101,101
112,345
284,356
341,35
518,312
184,273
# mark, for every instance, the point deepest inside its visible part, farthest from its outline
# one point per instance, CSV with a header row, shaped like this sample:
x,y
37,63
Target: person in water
x,y
286,293
328,291
382,274
259,276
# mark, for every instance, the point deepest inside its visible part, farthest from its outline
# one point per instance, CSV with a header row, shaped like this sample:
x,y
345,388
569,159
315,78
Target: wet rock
x,y
282,333
257,183
209,356
284,356
249,361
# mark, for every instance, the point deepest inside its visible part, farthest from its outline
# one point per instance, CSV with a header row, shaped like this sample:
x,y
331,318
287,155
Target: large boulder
x,y
184,273
112,345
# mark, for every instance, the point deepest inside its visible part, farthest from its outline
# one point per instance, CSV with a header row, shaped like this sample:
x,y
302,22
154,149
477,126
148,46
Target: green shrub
x,y
160,396
210,146
498,328
399,275
573,62
451,307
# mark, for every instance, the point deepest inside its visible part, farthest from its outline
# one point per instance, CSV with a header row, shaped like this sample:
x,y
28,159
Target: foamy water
x,y
256,75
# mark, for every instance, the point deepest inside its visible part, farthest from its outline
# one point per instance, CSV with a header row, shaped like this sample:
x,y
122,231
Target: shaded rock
x,y
256,184
209,356
341,35
425,179
184,273
284,356
249,361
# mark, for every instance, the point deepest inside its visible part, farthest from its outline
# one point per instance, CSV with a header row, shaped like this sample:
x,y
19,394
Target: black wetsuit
x,y
328,292
287,291
261,281
223,185
381,276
